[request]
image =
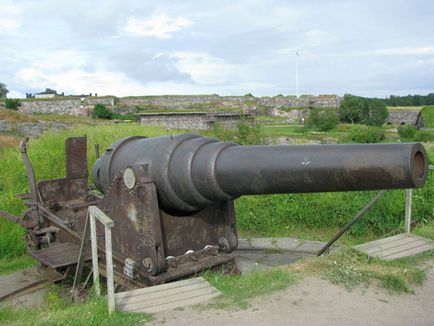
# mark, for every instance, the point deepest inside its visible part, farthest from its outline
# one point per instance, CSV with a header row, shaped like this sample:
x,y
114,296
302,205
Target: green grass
x,y
59,311
350,269
293,215
237,290
10,265
428,116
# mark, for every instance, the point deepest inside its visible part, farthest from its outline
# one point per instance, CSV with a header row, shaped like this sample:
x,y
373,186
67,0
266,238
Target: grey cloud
x,y
145,65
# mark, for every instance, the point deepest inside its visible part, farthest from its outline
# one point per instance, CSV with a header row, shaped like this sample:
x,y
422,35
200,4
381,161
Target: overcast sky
x,y
369,48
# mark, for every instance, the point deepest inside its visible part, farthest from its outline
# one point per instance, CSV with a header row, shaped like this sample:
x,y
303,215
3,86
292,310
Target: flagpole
x,y
296,73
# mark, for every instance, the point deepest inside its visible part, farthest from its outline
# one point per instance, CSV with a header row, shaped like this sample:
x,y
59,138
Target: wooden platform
x,y
398,246
58,255
167,296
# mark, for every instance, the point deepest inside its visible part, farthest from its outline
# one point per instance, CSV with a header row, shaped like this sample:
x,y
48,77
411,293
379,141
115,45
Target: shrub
x,y
407,132
12,104
322,119
101,112
425,136
411,133
366,134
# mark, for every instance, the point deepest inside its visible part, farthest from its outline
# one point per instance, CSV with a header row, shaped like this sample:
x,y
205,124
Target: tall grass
x,y
277,215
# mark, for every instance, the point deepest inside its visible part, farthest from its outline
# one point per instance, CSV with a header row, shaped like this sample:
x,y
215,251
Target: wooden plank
x,y
58,255
391,245
166,296
109,264
396,247
149,297
159,288
94,245
375,243
411,252
179,300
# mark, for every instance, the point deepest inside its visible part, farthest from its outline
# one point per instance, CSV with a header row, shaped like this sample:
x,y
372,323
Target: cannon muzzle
x,y
192,172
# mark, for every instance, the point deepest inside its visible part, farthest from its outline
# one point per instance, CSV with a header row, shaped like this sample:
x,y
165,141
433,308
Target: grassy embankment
x,y
275,215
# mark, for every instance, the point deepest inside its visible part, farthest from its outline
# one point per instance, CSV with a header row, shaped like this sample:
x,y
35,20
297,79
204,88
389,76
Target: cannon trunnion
x,y
171,198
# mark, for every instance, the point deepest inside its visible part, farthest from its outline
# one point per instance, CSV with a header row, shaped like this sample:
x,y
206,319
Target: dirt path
x,y
317,302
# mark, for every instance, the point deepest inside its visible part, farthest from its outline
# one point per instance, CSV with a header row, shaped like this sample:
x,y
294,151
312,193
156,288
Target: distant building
x,y
49,93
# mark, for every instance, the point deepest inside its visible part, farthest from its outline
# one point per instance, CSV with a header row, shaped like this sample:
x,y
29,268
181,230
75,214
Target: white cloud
x,y
15,94
202,67
405,51
159,26
9,17
77,81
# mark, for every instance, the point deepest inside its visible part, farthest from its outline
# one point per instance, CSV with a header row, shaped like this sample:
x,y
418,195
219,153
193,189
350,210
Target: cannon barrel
x,y
192,172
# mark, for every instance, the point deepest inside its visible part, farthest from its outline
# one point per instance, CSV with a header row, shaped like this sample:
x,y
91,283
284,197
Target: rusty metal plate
x,y
76,157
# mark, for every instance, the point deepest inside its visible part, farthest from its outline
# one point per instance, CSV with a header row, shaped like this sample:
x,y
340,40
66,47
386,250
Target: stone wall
x,y
405,117
31,129
292,116
191,120
216,101
74,106
249,104
169,101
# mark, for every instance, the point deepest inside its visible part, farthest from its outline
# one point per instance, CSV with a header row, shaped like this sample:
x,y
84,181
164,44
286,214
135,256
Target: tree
x,y
351,109
356,109
3,90
375,112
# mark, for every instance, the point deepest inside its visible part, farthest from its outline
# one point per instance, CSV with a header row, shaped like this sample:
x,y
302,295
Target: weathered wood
x,y
375,243
411,252
158,295
166,296
109,264
94,239
159,288
82,255
408,203
58,255
391,245
95,212
399,246
104,219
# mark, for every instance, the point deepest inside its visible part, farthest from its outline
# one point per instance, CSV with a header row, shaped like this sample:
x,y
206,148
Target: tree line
x,y
409,100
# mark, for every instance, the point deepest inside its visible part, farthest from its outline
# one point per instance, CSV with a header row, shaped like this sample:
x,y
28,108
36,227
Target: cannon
x,y
171,197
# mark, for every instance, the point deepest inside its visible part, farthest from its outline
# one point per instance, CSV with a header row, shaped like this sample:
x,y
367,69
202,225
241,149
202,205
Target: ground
x,y
315,301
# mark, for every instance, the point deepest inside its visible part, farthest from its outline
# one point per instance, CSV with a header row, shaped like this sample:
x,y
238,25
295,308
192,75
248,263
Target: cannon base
x,y
150,246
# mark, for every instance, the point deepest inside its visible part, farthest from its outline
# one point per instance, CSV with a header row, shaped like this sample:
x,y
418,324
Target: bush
x,y
246,133
425,136
366,134
407,132
101,112
322,119
12,104
411,133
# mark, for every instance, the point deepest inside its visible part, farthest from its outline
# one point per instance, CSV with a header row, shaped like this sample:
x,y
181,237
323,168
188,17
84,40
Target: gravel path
x,y
317,302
